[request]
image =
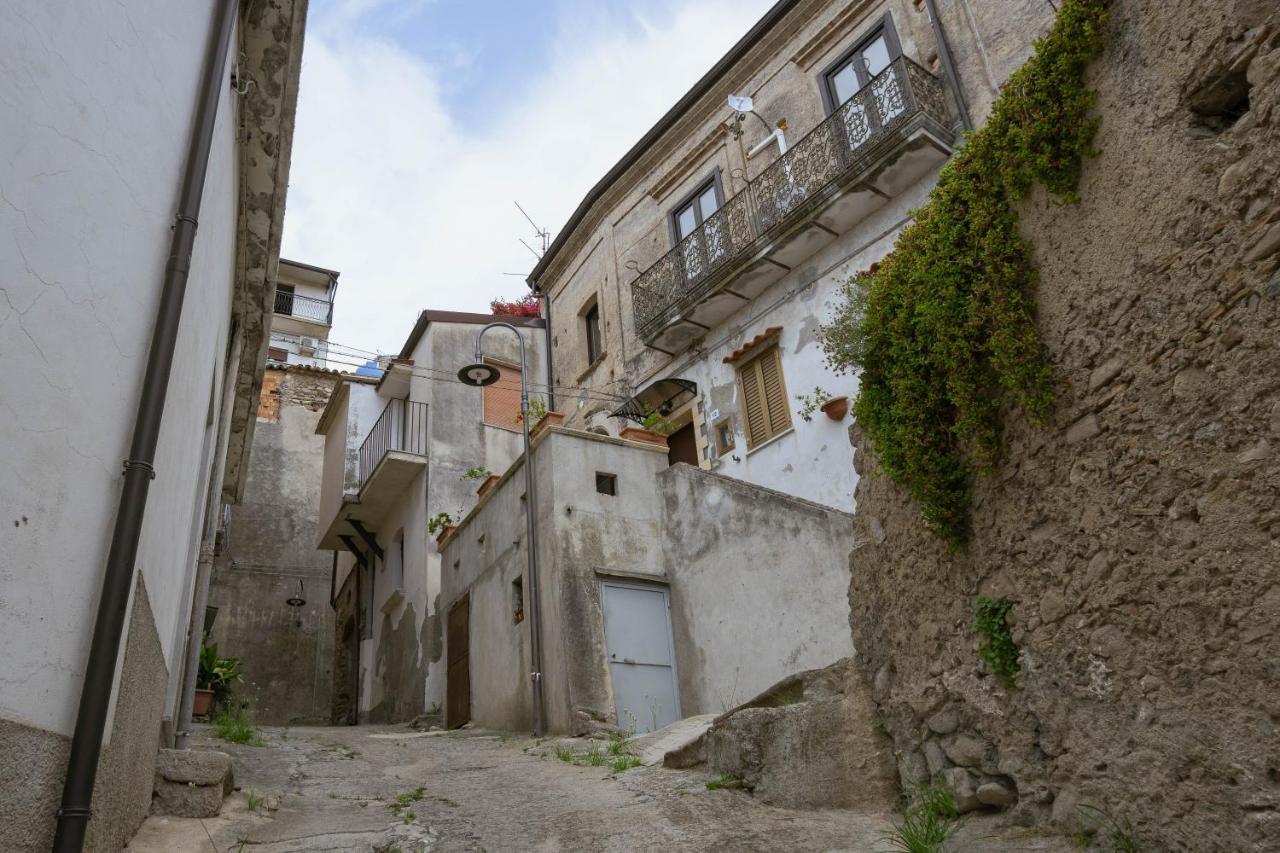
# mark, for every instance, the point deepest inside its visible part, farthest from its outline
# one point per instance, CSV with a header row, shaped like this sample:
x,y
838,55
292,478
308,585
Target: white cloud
x,y
415,210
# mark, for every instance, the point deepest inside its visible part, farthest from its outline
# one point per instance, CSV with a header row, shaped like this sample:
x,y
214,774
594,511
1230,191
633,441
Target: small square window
x,y
606,484
723,431
517,600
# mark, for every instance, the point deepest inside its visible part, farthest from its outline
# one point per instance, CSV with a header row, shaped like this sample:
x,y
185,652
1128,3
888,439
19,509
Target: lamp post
x,y
479,375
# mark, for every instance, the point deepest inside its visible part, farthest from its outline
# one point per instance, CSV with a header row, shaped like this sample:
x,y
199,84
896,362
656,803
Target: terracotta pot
x,y
836,408
647,436
203,702
550,419
488,484
444,536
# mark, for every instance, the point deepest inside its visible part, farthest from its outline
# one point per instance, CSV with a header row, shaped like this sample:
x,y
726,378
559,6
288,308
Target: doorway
x,y
458,673
642,665
682,446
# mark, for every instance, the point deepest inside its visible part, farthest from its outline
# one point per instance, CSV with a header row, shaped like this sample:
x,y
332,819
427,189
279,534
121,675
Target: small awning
x,y
663,396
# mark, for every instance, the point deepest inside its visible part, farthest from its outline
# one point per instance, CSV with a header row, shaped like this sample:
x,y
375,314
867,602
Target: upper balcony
x,y
306,308
874,146
391,456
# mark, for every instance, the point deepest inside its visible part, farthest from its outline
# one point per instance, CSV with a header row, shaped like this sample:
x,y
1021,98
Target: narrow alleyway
x,y
389,788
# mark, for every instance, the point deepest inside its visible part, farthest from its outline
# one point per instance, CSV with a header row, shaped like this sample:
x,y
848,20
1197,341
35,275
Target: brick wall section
x,y
1138,533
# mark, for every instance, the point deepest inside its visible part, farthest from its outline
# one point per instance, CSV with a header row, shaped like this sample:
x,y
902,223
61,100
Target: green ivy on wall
x,y
943,330
991,623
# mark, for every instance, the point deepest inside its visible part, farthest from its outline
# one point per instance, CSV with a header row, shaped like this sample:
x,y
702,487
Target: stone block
x,y
965,750
963,789
191,783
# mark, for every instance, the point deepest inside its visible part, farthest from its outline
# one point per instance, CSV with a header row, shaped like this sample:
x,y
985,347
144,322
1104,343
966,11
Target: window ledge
x,y
591,368
786,432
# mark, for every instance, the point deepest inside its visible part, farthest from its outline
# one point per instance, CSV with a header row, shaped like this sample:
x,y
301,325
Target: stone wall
x,y
1137,534
286,653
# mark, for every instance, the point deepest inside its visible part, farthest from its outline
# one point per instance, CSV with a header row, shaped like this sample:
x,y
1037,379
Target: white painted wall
x,y
97,109
815,461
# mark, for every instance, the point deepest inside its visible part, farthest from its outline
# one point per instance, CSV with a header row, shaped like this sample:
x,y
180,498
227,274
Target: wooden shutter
x,y
502,400
765,412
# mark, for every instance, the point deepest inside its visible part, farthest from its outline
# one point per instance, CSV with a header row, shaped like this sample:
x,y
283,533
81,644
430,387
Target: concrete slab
x,y
652,747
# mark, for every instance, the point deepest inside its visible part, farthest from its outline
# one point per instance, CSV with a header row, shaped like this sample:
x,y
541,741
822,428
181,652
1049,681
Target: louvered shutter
x,y
755,416
775,393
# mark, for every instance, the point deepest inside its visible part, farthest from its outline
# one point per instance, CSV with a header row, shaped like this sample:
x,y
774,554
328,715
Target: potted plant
x,y
484,474
833,407
215,680
654,429
539,417
441,525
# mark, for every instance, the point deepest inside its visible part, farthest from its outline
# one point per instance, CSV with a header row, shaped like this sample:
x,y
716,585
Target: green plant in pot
x,y
215,680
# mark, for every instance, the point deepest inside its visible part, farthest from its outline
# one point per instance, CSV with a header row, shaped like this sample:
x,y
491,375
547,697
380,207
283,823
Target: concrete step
x,y
652,747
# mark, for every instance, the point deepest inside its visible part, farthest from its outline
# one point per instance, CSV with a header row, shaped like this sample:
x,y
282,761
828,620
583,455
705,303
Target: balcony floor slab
x,y
379,495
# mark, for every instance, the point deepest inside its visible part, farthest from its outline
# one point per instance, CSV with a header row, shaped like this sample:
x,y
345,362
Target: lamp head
x,y
741,103
478,375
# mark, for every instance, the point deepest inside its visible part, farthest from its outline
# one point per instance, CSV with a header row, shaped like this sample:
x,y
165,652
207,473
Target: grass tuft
x,y
237,727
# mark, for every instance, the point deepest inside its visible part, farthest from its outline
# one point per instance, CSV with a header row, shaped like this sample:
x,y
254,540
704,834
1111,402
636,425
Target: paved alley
x,y
389,788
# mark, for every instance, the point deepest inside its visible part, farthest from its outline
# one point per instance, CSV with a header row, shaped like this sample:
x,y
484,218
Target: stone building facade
x,y
709,257
1137,533
267,558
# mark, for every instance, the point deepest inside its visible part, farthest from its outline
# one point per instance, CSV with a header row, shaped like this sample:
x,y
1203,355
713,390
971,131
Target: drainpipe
x,y
104,651
551,387
948,67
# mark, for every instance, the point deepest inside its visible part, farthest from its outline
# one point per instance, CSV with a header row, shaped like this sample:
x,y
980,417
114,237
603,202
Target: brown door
x,y
458,700
682,446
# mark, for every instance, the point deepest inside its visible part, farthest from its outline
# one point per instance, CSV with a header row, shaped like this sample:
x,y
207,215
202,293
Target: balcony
x,y
872,148
304,307
392,455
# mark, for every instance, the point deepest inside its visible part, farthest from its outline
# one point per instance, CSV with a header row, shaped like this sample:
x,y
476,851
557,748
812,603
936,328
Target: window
x,y
695,209
592,321
277,354
723,433
517,600
502,399
765,411
606,484
284,298
854,70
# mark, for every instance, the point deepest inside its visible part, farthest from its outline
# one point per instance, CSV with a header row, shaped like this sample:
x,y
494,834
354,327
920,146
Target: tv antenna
x,y
542,235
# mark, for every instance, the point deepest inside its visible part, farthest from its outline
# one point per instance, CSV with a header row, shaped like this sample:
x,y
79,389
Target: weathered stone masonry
x,y
1138,533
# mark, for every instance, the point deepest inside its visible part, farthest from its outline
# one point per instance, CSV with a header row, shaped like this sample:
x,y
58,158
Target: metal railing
x,y
304,307
402,426
845,143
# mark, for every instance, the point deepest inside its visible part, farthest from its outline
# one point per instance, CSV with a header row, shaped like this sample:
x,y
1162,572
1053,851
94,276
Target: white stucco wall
x,y
96,114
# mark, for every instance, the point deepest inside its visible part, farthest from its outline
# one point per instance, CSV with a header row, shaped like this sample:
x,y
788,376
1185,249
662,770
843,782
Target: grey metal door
x,y
642,664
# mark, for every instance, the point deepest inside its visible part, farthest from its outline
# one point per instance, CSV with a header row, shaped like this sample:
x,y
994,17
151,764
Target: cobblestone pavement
x,y
383,788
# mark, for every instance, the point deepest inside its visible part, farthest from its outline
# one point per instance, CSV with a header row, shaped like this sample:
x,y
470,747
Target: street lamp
x,y
479,375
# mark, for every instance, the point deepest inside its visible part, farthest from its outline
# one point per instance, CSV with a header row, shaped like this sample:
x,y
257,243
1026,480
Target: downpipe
x,y
104,651
948,66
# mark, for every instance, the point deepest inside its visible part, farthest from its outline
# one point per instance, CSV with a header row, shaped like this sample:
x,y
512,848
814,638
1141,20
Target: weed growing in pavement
x,y
564,754
623,763
253,802
594,756
237,727
927,823
400,806
727,781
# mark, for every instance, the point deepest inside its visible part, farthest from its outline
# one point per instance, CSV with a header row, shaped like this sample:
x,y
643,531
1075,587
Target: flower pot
x,y
836,408
444,536
489,483
550,419
647,436
203,702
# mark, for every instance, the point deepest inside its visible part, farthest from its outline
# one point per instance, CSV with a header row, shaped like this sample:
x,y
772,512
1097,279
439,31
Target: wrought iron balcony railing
x,y
304,307
845,144
402,426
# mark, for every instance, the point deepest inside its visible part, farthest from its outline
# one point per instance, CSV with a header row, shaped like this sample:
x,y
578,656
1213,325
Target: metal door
x,y
637,627
458,673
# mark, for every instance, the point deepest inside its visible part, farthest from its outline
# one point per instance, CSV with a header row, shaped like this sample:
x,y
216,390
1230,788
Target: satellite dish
x,y
741,103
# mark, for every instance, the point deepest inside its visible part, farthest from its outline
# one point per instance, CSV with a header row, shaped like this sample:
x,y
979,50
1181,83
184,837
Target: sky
x,y
421,122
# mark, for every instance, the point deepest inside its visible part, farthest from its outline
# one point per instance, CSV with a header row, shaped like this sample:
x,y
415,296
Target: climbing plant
x,y
991,624
942,329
